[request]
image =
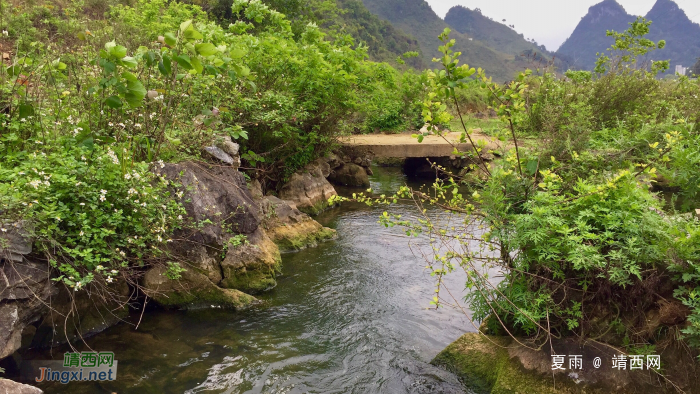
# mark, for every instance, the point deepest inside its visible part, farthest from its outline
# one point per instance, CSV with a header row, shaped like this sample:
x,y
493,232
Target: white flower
x,y
159,239
5,33
109,279
39,142
102,198
132,191
4,230
143,205
21,172
115,271
123,254
99,267
161,164
179,217
35,183
137,125
58,218
112,156
81,233
103,191
110,124
82,204
83,159
127,176
78,286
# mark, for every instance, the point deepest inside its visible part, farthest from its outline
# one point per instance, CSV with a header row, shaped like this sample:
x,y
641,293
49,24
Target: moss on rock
x,y
484,365
193,289
293,237
252,267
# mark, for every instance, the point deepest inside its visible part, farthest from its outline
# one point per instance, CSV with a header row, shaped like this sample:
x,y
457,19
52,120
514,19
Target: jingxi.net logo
x,y
75,367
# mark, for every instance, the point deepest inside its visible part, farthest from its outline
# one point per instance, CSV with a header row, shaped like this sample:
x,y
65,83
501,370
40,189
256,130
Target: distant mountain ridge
x,y
417,18
669,22
494,34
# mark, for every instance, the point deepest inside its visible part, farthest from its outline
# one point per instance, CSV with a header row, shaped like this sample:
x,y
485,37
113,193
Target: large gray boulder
x,y
309,189
290,228
25,289
350,174
224,249
15,240
9,387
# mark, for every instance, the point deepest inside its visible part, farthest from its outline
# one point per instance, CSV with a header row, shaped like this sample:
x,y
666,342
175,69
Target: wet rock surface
x,y
492,364
309,189
291,229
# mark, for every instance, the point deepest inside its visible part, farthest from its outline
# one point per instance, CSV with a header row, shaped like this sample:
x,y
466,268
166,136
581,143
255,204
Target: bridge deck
x,y
404,146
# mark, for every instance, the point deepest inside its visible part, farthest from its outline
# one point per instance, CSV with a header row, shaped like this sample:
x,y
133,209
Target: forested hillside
x,y
385,43
492,33
416,18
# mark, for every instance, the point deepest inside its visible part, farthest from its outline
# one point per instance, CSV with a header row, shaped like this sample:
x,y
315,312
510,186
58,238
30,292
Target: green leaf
x,y
206,49
238,52
14,70
129,76
184,61
89,143
197,65
192,34
129,62
115,50
241,70
150,57
135,94
185,25
165,66
25,110
113,102
170,39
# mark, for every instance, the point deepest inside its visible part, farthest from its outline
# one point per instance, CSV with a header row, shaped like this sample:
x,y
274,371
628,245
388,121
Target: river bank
x,y
350,315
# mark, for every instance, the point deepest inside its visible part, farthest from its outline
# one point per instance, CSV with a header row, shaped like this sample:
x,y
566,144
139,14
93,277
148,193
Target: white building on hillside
x,y
680,70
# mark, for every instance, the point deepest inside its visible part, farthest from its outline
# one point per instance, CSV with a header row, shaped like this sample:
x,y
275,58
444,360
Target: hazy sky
x,y
550,22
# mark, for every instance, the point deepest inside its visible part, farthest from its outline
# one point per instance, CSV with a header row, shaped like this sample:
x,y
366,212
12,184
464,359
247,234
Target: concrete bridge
x,y
405,146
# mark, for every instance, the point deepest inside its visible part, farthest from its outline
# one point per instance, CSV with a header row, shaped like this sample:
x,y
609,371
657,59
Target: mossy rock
x,y
501,365
192,290
294,237
252,267
484,365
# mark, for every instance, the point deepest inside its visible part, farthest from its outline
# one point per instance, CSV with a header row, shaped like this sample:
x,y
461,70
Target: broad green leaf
x,y
129,62
14,70
241,70
129,76
184,61
206,49
197,65
25,110
113,102
238,52
136,93
192,34
170,39
117,51
185,25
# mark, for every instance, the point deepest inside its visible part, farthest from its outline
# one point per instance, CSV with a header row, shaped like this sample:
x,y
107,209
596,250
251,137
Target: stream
x,y
349,316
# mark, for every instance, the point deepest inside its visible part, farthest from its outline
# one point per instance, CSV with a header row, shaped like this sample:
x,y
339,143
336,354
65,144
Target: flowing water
x,y
350,316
